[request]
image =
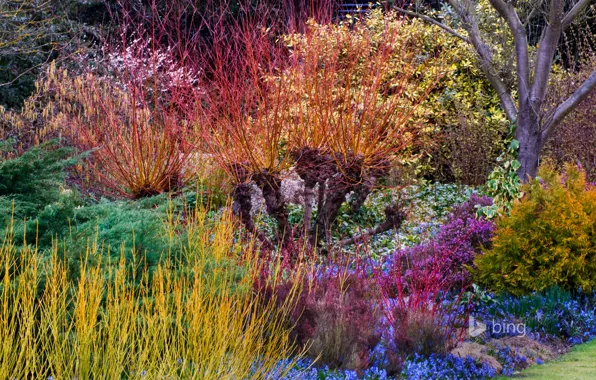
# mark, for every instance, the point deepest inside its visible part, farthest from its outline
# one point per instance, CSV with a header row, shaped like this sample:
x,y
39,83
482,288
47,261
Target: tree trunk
x,y
314,233
313,166
361,192
270,185
528,134
309,197
242,206
337,189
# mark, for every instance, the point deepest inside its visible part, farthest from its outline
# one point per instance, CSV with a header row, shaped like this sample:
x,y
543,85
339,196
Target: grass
x,y
578,364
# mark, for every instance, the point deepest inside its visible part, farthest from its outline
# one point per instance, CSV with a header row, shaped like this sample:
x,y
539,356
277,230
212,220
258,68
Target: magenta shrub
x,y
456,244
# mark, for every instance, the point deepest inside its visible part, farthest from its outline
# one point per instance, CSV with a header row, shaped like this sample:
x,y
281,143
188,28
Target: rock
x,y
527,347
521,345
478,352
256,199
292,190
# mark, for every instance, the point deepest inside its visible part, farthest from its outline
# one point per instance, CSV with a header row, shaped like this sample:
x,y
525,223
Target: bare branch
x,y
434,22
508,13
574,12
546,51
394,218
568,105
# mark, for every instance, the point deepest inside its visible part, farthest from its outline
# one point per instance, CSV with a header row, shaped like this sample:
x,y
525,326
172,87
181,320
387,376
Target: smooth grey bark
x,y
532,129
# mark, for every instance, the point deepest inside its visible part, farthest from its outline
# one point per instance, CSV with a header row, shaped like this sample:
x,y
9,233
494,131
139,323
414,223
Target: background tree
x,y
522,90
36,32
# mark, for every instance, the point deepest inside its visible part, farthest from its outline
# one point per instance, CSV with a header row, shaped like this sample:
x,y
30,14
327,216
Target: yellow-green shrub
x,y
549,238
190,324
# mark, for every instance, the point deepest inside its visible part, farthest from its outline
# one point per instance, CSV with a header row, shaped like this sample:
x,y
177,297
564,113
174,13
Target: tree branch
x,y
508,13
486,60
574,12
394,217
568,105
434,22
483,51
546,51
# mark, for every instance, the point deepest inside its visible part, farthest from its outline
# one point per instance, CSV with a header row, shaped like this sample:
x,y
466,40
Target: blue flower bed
x,y
304,370
446,367
417,368
511,360
552,313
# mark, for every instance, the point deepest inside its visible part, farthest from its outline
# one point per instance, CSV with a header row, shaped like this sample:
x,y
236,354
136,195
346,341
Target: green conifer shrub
x,y
549,238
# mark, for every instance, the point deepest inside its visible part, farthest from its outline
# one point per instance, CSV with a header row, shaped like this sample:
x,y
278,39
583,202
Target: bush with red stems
x,y
354,313
334,103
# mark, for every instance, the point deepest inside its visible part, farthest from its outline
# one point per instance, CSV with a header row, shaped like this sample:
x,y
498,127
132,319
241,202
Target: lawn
x,y
578,364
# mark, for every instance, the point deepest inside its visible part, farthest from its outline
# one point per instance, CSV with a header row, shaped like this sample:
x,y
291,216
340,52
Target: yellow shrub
x,y
549,238
190,324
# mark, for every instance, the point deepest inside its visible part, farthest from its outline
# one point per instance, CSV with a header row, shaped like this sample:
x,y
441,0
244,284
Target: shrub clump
x,y
549,238
337,318
33,200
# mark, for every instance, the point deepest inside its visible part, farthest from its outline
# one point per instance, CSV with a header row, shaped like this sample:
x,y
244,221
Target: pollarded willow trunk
x,y
337,189
361,192
242,203
314,230
270,185
242,206
309,197
347,178
314,167
369,182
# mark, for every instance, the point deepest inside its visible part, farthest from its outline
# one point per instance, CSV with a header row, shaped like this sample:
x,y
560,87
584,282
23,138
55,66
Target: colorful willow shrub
x,y
422,312
139,145
131,108
201,322
334,103
355,315
547,240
